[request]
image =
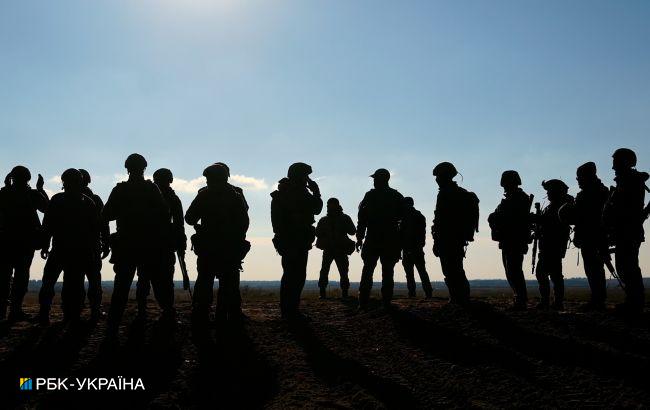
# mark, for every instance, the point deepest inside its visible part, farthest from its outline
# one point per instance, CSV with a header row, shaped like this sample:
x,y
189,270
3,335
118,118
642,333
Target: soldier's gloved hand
x,y
359,245
40,182
313,187
436,250
45,253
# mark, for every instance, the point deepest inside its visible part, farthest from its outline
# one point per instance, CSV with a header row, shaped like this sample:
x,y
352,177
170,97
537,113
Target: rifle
x,y
186,278
538,212
610,267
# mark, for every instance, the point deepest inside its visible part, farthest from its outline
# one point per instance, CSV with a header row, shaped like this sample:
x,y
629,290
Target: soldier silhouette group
x,y
74,237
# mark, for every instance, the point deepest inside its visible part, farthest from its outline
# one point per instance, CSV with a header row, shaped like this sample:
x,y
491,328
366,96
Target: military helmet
x,y
135,162
298,170
21,173
588,169
72,176
333,201
626,156
409,201
225,166
381,174
163,175
555,185
86,176
217,170
445,169
510,177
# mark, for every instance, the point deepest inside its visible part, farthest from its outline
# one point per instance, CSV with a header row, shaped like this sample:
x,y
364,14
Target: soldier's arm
x,y
40,200
47,227
193,213
179,224
110,209
276,215
362,219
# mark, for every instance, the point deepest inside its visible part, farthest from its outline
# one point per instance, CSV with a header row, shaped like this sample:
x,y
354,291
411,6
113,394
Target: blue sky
x,y
348,86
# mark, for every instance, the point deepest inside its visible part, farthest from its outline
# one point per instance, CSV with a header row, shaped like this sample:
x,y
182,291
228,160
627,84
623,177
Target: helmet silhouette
x,y
509,178
163,175
135,162
21,174
626,156
445,170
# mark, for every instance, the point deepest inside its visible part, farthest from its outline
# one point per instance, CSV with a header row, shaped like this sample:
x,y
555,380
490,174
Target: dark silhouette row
x,y
74,237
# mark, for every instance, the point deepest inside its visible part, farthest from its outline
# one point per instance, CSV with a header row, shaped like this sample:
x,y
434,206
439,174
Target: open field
x,y
422,353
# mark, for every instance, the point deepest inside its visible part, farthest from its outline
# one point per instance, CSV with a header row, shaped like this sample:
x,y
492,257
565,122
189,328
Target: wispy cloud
x,y
191,186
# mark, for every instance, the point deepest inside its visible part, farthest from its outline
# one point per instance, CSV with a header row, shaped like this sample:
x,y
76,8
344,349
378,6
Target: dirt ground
x,y
421,354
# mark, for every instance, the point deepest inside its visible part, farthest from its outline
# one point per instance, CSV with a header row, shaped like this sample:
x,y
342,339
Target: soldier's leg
x,y
451,261
94,276
595,272
299,279
142,290
627,265
365,285
124,273
513,260
558,283
388,262
285,282
323,279
51,272
229,296
343,265
421,266
162,281
23,262
6,270
408,265
72,293
542,274
203,289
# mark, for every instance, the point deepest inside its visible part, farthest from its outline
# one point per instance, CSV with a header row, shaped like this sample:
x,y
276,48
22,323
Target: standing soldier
x,y
175,238
332,237
20,236
94,271
511,225
142,218
72,223
589,232
624,217
380,212
413,232
219,215
553,241
293,206
454,223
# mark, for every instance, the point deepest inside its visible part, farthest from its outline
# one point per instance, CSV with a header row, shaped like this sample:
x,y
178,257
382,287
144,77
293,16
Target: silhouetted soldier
x,y
73,224
553,241
589,233
332,237
175,239
624,217
413,233
142,218
219,214
454,223
94,271
293,207
380,212
20,236
511,227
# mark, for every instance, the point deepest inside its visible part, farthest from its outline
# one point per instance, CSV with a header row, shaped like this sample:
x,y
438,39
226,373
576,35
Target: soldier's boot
x,y
323,293
411,294
344,293
142,310
44,315
558,295
96,313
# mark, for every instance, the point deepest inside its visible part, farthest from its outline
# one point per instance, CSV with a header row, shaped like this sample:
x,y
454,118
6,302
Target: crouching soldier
x,y
332,237
73,224
219,215
553,241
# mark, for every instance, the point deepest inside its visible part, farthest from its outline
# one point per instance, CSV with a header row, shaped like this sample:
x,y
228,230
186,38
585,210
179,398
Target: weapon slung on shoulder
x,y
186,278
538,212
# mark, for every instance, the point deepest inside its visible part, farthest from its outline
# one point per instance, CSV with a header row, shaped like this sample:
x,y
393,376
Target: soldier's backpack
x,y
469,215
